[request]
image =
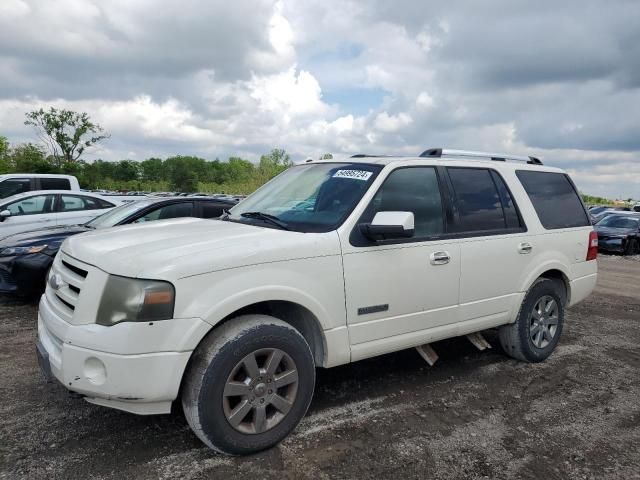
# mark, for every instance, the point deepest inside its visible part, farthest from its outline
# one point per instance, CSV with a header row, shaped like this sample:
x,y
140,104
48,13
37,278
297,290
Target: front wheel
x,y
249,384
537,330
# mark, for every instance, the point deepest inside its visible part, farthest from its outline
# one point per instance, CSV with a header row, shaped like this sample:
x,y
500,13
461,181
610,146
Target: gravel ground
x,y
473,415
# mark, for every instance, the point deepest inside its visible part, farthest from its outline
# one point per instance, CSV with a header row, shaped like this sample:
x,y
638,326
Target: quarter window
x,y
413,189
554,198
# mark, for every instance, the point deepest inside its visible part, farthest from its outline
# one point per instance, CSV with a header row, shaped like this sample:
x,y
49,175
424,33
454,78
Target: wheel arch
x,y
554,273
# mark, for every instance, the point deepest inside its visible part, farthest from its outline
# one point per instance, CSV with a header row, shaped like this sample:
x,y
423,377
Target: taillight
x,y
592,251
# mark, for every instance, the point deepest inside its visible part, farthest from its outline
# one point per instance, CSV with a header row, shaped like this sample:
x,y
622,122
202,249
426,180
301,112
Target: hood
x,y
181,247
612,232
50,236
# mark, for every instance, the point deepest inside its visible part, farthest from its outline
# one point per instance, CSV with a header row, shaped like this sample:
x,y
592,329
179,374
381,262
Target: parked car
x,y
26,257
232,317
39,209
599,213
619,233
15,183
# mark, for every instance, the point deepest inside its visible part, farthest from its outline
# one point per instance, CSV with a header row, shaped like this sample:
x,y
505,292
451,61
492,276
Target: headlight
x,y
6,252
133,300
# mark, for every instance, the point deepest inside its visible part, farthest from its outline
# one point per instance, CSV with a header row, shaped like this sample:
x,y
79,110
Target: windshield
x,y
117,214
620,222
308,198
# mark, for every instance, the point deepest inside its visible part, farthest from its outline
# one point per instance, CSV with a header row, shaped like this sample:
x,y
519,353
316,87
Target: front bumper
x,y
136,367
24,274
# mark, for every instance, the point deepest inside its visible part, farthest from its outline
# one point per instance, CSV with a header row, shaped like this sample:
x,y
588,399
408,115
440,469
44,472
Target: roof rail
x,y
498,157
366,155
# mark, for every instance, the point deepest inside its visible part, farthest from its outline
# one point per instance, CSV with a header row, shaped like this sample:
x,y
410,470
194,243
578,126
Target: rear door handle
x,y
439,258
525,247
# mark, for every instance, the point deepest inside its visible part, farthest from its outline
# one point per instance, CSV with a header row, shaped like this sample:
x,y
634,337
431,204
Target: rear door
x,y
77,209
29,213
494,246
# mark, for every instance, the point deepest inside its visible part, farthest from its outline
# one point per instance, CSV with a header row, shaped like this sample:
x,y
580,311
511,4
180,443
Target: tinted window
x,y
555,199
54,184
32,205
174,210
411,190
477,200
213,210
13,186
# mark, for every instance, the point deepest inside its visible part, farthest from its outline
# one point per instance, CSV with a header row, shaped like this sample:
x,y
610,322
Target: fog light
x,y
95,371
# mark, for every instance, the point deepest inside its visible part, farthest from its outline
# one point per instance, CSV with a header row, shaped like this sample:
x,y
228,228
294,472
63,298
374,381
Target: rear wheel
x,y
537,330
631,248
249,384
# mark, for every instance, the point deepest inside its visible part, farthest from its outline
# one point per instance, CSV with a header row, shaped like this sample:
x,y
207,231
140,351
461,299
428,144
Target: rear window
x,y
555,199
54,184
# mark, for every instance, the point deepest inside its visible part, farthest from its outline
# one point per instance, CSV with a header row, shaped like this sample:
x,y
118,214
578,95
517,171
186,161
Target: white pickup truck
x,y
331,262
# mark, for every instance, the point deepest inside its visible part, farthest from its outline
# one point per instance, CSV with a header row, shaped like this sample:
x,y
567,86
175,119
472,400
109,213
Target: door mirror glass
x,y
4,214
389,225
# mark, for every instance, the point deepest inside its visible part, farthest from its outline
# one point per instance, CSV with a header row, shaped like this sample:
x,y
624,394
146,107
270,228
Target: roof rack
x,y
366,155
498,157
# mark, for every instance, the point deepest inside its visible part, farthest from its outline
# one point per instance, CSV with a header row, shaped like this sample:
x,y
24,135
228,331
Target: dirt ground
x,y
473,415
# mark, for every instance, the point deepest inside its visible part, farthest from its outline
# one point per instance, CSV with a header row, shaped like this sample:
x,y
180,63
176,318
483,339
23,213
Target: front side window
x,y
213,209
413,189
554,198
309,197
175,210
32,205
14,186
477,200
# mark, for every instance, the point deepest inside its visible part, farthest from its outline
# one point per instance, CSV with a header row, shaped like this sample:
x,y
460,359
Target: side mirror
x,y
4,214
389,225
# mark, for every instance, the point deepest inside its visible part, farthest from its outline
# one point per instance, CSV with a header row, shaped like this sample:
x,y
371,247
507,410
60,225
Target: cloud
x,y
216,78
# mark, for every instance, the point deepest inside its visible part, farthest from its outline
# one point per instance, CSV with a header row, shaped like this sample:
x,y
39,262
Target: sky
x,y
558,80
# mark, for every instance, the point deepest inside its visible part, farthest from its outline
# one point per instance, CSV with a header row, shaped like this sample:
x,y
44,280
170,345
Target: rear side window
x,y
175,210
555,199
54,184
482,200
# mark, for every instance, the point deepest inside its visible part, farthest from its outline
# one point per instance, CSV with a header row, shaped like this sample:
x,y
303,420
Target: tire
x,y
521,340
631,248
230,402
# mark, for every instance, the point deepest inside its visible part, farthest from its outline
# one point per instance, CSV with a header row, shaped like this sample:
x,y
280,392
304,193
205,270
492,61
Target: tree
x,y
5,161
67,134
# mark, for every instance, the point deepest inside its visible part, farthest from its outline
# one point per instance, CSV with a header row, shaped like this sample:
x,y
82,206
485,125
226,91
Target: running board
x,y
478,341
429,354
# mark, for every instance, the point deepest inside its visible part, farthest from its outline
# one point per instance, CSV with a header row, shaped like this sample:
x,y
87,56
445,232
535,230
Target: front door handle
x,y
439,258
525,247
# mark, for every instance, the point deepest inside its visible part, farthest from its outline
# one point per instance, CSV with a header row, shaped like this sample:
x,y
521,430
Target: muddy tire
x,y
248,384
538,327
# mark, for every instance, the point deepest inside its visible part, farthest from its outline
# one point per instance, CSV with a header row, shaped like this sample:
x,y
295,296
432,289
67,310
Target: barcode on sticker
x,y
355,174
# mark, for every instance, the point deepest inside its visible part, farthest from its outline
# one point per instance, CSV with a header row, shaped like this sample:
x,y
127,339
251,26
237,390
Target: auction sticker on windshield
x,y
355,174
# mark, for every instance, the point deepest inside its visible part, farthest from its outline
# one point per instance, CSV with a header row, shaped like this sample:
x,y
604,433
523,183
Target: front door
x,y
399,288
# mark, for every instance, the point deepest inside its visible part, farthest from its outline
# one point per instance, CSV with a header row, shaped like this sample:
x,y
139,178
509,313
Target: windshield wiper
x,y
272,219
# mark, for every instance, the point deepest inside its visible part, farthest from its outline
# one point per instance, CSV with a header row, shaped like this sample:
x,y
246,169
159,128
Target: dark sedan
x,y
26,257
619,233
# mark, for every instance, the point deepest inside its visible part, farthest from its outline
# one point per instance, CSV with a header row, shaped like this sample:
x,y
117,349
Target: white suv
x,y
329,263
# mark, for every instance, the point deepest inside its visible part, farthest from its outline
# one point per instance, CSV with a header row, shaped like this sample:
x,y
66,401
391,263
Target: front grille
x,y
78,271
65,284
